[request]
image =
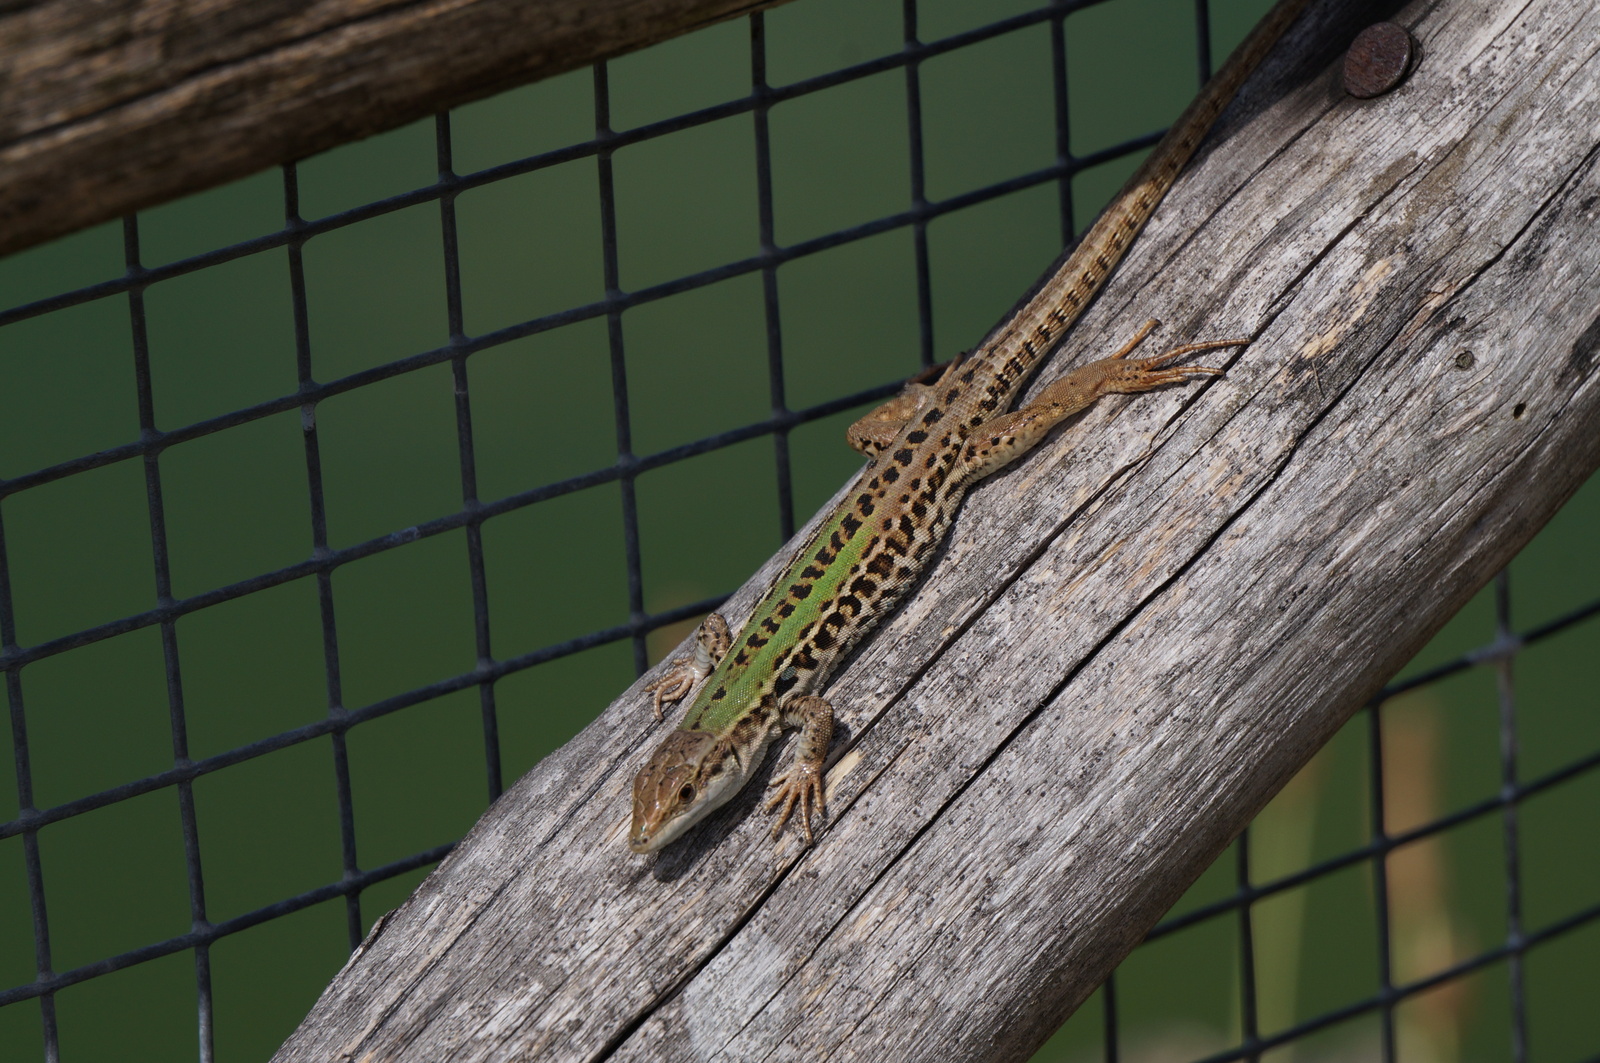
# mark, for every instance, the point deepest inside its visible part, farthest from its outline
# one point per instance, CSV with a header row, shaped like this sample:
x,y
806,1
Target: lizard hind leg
x,y
874,432
1008,436
711,642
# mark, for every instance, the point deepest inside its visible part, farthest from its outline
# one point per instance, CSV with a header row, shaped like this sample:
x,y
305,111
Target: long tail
x,y
1016,347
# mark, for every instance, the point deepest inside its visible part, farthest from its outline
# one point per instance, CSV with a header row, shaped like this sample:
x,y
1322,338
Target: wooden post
x,y
1133,638
117,105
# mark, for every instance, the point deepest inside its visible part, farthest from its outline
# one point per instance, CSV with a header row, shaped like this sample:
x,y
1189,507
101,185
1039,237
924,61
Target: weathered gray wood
x,y
112,106
1135,636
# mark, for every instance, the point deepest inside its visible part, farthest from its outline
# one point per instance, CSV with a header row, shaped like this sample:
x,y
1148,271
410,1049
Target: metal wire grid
x,y
320,566
1499,655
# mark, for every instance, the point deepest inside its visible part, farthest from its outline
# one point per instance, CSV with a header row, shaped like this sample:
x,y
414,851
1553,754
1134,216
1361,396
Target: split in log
x,y
1133,637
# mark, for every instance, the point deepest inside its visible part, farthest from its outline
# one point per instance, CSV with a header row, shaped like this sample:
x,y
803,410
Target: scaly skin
x,y
929,445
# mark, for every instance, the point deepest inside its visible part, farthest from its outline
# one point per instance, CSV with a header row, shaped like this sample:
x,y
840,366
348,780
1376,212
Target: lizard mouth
x,y
644,838
649,837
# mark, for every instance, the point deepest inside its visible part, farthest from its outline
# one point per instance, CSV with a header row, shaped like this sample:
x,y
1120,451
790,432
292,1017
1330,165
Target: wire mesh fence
x,y
542,379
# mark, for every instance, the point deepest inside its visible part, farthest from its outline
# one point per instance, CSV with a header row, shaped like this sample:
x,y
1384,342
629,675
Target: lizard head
x,y
685,779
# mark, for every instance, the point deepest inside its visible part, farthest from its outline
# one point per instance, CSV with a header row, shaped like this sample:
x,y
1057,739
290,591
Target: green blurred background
x,y
237,506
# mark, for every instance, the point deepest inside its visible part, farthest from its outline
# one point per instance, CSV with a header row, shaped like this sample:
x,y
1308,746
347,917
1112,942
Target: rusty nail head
x,y
1378,60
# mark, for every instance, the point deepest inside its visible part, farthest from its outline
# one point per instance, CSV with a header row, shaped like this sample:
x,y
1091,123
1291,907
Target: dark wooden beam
x,y
114,106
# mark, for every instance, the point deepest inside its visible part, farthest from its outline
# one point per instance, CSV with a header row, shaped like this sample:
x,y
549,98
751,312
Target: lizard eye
x,y
687,793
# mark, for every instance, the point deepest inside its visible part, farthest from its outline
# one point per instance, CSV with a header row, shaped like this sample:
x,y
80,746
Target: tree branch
x,y
1133,638
114,106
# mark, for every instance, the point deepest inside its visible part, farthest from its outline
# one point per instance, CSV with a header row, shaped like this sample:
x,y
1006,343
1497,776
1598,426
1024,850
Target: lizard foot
x,y
711,645
675,682
801,784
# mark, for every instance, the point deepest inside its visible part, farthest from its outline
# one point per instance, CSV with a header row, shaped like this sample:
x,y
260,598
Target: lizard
x,y
946,430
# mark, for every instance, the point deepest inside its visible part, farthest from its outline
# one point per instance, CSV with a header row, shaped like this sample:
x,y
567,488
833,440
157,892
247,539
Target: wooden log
x,y
113,106
1134,637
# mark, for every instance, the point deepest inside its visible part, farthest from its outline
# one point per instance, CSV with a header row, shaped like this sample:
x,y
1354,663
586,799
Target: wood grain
x,y
113,106
1133,638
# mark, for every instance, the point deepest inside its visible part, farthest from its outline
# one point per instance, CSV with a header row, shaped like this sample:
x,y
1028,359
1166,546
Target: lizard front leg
x,y
711,642
802,782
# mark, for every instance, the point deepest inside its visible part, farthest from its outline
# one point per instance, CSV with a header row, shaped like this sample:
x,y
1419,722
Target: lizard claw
x,y
674,683
801,784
